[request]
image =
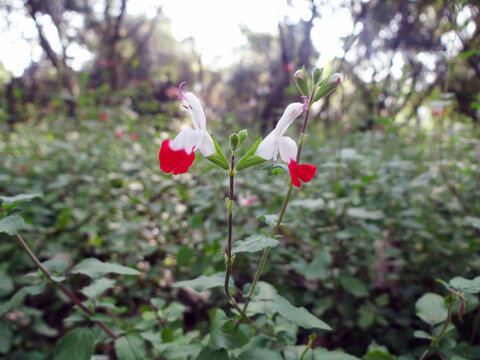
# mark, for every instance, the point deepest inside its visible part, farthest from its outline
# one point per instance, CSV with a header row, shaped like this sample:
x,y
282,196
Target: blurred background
x,y
396,57
88,92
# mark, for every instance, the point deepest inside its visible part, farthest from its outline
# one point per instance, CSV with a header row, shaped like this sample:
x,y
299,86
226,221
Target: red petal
x,y
304,172
177,161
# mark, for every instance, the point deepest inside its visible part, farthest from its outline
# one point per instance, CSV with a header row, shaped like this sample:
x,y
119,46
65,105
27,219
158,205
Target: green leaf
x,y
465,285
353,286
208,354
420,334
317,268
250,159
184,255
363,214
5,337
324,90
11,224
378,355
254,243
298,315
173,311
95,269
269,219
229,336
56,266
366,317
431,308
218,158
6,284
159,303
323,354
259,354
468,53
18,297
9,202
130,347
75,345
309,204
203,282
98,287
181,351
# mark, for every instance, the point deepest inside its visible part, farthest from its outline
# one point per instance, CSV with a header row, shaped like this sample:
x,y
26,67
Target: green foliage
x,y
203,282
361,247
130,347
254,243
95,268
431,308
75,345
11,224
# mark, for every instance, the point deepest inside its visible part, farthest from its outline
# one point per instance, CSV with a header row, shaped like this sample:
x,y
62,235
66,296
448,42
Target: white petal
x,y
288,149
291,113
268,148
206,145
188,140
194,108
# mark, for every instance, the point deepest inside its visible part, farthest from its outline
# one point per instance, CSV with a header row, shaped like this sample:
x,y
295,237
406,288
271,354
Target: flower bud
x,y
317,75
243,135
299,74
301,81
234,141
326,87
335,79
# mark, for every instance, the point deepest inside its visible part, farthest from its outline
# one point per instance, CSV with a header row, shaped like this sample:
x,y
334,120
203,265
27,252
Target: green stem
x,y
229,260
437,338
274,232
263,259
62,287
424,355
309,345
228,254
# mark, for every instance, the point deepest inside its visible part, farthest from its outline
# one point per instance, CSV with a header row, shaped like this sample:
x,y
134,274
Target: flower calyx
x,y
218,158
250,158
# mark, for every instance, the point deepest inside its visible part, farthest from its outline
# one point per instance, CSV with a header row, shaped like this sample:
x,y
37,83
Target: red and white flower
x,y
177,155
275,143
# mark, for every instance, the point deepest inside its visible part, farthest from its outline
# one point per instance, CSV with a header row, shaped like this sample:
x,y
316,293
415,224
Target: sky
x,y
214,24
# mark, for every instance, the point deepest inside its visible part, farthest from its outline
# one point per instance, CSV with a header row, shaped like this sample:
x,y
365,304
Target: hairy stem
x,y
62,287
274,232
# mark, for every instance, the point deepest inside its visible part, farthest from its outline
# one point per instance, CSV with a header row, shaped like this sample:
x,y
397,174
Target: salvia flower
x,y
177,155
275,143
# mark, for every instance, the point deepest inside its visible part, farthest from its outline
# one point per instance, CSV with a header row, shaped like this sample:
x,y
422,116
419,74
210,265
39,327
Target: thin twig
x,y
62,287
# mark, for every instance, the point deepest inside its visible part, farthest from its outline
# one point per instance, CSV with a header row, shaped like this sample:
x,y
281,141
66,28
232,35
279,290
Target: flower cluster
x,y
177,155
